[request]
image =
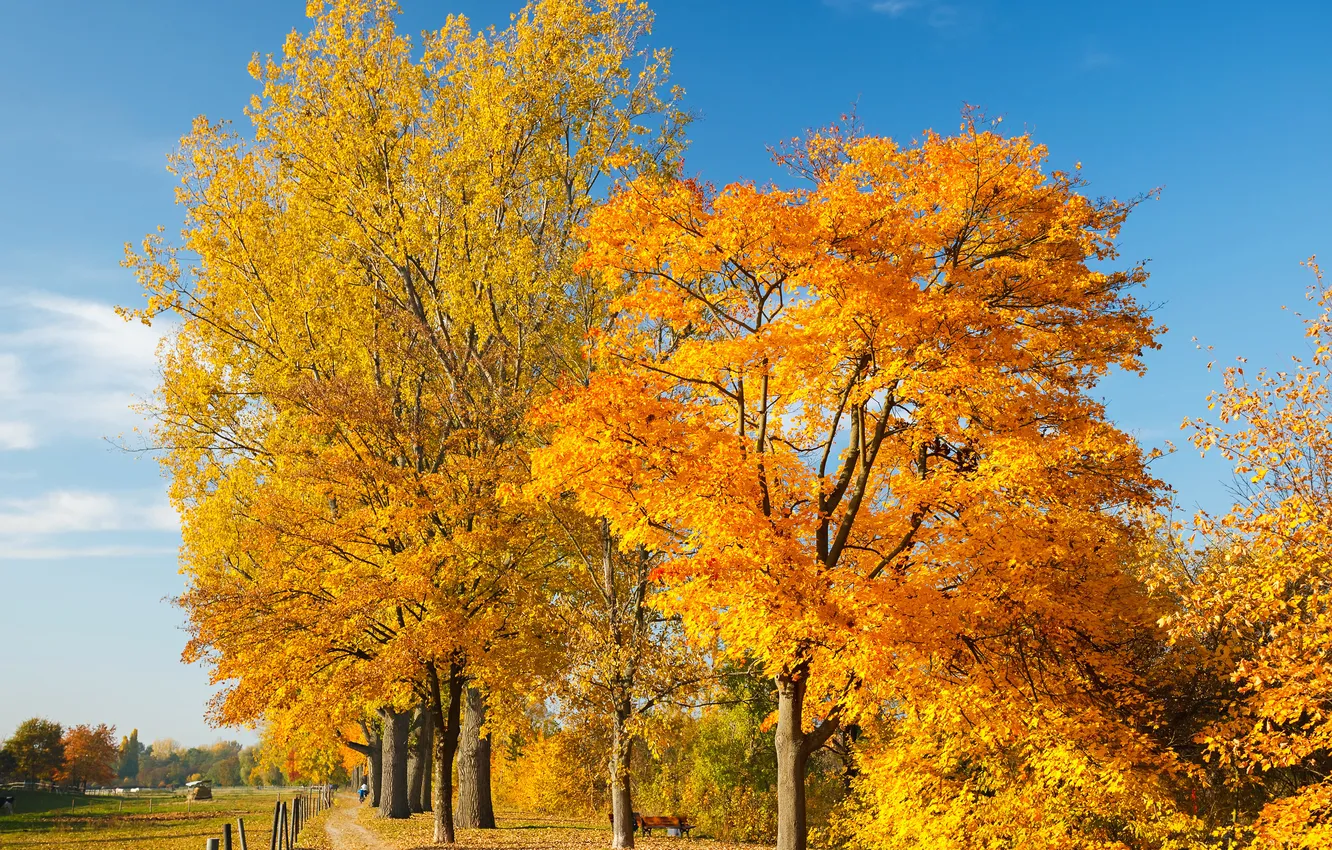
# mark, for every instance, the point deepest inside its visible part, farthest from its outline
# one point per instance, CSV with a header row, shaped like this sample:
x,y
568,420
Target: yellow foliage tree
x,y
1264,594
624,658
372,289
554,773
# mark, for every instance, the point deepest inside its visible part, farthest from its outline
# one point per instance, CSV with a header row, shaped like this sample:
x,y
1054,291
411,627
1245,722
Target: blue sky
x,y
1226,107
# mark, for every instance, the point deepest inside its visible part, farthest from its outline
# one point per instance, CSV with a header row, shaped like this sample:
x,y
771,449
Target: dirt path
x,y
344,833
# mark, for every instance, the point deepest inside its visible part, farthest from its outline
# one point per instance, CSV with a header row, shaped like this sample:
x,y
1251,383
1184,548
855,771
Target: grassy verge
x,y
42,820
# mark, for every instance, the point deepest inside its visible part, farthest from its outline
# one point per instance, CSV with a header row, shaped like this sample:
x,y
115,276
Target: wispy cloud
x,y
64,511
50,553
64,522
78,329
10,379
69,367
893,8
17,435
935,13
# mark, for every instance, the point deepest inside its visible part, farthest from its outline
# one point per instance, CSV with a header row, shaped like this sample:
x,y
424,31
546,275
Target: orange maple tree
x,y
856,417
91,755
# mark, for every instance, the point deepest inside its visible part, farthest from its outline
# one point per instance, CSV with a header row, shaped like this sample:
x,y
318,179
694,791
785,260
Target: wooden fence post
x,y
277,824
240,825
212,844
226,836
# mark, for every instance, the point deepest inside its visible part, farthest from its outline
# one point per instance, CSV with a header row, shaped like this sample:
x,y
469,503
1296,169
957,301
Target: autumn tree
x,y
372,289
36,749
300,753
856,415
625,658
90,755
1260,594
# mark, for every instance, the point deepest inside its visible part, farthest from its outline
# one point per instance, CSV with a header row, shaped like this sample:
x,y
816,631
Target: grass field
x,y
43,820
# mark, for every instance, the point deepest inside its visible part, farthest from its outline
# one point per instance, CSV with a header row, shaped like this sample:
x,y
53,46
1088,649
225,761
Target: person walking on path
x,y
362,791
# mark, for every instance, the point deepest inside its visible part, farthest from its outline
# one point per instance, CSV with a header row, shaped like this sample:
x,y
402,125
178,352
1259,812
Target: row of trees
x,y
167,763
478,407
41,750
362,556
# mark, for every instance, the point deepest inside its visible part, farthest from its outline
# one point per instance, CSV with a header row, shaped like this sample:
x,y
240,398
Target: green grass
x,y
43,820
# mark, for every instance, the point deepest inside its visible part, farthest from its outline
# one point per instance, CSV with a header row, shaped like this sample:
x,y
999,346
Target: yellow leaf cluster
x,y
1262,599
372,286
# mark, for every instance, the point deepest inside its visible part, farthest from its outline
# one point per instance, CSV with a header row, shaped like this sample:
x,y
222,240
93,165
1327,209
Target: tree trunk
x,y
413,776
427,791
393,796
791,761
376,772
420,761
446,745
794,747
622,801
475,809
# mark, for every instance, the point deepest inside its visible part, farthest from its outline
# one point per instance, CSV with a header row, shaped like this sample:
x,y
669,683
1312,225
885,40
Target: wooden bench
x,y
647,823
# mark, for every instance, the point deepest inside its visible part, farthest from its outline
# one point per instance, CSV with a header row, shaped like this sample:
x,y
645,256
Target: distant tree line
x,y
86,756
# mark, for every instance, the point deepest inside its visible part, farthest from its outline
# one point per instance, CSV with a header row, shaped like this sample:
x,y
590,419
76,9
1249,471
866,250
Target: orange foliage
x,y
91,755
856,415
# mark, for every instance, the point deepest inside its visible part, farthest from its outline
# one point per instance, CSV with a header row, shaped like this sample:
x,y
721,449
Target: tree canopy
x,y
36,749
496,435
